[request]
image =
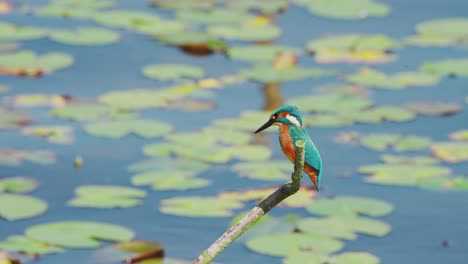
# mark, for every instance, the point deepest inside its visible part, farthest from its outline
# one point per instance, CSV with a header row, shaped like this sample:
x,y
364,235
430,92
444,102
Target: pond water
x,y
421,221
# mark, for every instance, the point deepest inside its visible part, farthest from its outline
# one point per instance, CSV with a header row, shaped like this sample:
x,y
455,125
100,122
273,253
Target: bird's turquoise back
x,y
312,156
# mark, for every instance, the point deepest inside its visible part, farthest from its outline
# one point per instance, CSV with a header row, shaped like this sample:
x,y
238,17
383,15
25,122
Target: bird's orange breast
x,y
286,143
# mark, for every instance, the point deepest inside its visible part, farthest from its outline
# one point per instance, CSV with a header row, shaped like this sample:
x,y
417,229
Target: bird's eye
x,y
274,116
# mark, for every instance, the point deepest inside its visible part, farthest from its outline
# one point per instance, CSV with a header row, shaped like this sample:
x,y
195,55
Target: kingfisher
x,y
289,120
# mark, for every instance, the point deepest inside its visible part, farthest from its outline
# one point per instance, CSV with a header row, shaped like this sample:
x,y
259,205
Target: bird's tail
x,y
313,175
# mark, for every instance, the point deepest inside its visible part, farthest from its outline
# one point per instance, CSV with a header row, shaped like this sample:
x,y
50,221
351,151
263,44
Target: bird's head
x,y
287,115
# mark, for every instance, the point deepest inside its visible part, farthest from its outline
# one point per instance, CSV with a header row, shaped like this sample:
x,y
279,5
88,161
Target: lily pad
x,y
357,42
14,157
217,16
196,206
264,7
348,206
243,122
441,32
451,151
15,206
166,72
78,234
88,36
331,103
28,63
272,170
166,166
183,4
284,244
136,250
54,134
35,100
399,143
434,109
193,41
402,174
375,79
359,9
460,135
10,119
118,129
17,184
107,196
169,181
246,32
423,160
265,73
258,53
353,257
330,55
84,112
15,32
449,67
29,246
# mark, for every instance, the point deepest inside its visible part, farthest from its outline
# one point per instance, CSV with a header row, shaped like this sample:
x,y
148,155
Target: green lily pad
x,y
31,62
146,98
17,184
284,244
118,129
15,32
195,206
434,109
399,143
382,113
29,246
166,72
460,135
451,151
217,16
10,119
328,120
88,36
331,103
359,9
258,53
243,122
265,73
84,112
272,170
245,32
192,39
348,206
165,166
341,227
126,251
332,55
264,7
53,134
102,196
355,42
402,174
212,153
54,10
183,4
168,181
353,257
300,199
448,67
78,234
375,79
14,157
441,32
15,206
422,160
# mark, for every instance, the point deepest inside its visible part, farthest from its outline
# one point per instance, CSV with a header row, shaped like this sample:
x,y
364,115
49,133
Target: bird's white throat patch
x,y
293,120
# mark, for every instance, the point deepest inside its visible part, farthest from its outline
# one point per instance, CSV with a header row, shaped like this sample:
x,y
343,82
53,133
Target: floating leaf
x,y
78,234
382,141
393,159
29,246
28,63
353,257
302,198
217,16
358,9
434,109
118,129
267,74
14,206
10,119
356,42
165,72
449,67
54,134
284,244
191,105
199,206
34,100
85,36
193,42
183,4
244,122
15,157
167,180
15,32
135,250
258,53
266,7
460,135
375,79
166,166
86,111
245,32
264,170
329,55
333,227
402,174
101,196
451,151
17,184
441,32
331,103
348,206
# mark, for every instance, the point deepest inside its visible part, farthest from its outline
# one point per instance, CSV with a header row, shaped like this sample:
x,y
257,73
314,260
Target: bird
x,y
291,129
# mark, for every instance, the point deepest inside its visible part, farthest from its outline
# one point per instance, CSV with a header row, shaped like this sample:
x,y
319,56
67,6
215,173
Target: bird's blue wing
x,y
312,155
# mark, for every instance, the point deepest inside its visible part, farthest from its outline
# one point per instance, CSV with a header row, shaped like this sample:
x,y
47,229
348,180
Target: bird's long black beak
x,y
265,126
